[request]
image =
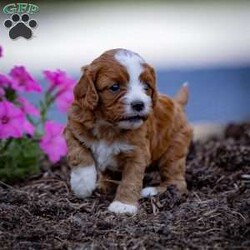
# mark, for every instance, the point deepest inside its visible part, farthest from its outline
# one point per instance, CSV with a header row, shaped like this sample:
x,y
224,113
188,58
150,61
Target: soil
x,y
42,213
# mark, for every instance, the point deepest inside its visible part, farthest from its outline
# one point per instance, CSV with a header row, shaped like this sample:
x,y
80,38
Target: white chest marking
x,y
105,153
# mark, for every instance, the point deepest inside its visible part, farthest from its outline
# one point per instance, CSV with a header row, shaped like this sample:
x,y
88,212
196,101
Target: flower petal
x,y
53,143
23,80
27,107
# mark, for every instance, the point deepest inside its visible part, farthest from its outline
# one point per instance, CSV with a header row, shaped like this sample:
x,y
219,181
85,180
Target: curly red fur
x,y
163,138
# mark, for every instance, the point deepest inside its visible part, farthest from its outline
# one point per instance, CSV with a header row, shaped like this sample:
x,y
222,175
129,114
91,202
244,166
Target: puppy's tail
x,y
182,95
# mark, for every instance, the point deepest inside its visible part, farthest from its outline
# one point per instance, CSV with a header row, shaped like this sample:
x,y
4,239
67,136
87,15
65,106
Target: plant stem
x,y
7,143
48,101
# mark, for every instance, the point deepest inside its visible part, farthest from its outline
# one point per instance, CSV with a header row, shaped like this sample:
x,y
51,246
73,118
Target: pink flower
x,y
27,107
55,78
64,99
28,128
2,92
64,85
11,120
58,79
23,81
5,81
53,143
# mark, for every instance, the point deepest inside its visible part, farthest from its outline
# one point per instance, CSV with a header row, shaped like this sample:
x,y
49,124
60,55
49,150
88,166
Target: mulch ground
x,y
42,213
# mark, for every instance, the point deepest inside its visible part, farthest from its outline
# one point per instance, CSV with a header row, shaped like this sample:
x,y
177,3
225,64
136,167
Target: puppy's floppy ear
x,y
85,92
154,89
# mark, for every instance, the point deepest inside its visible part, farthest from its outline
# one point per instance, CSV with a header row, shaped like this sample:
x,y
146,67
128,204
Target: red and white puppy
x,y
119,122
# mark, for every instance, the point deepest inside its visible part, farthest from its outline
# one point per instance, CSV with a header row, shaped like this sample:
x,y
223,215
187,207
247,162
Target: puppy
x,y
119,122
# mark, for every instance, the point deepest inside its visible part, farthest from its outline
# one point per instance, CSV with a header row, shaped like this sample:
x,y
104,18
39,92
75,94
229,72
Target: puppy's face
x,y
119,87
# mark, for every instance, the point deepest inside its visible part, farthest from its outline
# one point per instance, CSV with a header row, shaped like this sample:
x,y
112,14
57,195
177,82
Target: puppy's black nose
x,y
137,105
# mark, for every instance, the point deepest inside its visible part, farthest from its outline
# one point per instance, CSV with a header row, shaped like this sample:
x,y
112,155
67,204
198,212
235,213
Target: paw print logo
x,y
20,26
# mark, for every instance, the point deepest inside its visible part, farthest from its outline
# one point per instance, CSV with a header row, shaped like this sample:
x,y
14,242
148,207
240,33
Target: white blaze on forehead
x,y
133,63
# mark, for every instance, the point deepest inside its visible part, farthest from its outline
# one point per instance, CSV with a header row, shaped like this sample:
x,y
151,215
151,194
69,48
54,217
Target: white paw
x,y
149,191
83,181
122,208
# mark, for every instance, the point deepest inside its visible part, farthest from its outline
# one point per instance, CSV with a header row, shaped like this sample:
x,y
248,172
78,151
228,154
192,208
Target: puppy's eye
x,y
115,87
146,86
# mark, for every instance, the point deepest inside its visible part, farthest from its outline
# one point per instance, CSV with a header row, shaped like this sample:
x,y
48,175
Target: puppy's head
x,y
119,87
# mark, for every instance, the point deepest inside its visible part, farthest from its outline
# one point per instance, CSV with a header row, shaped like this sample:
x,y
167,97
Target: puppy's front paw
x,y
149,191
122,208
83,181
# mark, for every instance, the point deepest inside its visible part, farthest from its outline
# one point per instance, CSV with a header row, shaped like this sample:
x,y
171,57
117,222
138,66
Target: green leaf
x,y
21,159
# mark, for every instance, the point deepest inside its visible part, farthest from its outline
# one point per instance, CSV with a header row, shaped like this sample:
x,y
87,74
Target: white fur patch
x,y
104,153
133,63
149,191
83,180
122,208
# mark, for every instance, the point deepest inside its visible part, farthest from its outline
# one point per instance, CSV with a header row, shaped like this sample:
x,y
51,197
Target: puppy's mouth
x,y
135,118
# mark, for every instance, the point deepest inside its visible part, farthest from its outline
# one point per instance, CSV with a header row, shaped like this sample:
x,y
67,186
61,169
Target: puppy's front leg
x,y
83,174
128,192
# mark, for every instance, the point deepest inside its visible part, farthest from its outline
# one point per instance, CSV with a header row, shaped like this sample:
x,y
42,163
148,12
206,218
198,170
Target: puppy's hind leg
x,y
172,165
108,181
172,173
